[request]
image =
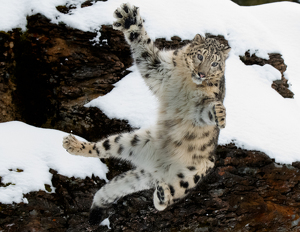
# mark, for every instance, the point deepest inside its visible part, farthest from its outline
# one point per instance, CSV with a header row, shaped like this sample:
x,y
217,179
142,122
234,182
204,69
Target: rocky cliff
x,y
50,71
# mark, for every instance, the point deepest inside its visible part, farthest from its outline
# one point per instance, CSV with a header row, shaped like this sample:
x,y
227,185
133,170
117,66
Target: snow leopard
x,y
173,155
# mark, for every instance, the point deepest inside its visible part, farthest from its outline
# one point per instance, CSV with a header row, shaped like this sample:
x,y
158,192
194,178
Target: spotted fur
x,y
173,155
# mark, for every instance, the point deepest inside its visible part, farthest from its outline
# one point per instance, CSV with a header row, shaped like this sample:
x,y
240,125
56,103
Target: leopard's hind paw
x,y
72,145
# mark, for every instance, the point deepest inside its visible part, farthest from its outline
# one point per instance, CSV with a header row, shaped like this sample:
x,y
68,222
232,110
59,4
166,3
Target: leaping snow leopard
x,y
173,155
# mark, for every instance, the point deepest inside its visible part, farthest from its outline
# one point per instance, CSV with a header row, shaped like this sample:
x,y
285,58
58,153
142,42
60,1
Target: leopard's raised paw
x,y
126,16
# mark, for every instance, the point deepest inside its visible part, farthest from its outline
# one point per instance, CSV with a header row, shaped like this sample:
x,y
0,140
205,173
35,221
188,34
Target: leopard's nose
x,y
201,75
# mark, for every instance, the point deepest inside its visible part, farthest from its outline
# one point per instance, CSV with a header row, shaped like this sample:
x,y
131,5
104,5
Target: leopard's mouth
x,y
198,79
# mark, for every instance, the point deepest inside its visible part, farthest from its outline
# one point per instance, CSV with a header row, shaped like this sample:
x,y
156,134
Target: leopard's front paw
x,y
219,112
72,145
127,16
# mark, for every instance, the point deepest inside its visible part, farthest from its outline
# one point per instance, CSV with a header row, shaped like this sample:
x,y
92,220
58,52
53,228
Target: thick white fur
x,y
176,152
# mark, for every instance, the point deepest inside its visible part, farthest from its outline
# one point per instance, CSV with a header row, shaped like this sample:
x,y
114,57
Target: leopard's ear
x,y
226,50
199,39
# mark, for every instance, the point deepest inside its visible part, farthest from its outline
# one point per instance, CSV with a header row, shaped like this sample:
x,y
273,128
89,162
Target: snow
x,y
106,222
257,116
34,151
130,99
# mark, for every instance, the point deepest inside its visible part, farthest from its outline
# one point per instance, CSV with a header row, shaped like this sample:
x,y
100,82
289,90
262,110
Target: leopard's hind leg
x,y
176,185
137,147
125,183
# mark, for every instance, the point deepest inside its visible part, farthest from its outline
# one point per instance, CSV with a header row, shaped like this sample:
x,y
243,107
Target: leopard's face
x,y
207,58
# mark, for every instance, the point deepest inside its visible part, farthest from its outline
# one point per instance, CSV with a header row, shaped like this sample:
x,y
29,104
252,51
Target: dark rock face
x,y
7,87
46,76
281,86
80,73
246,191
50,212
48,73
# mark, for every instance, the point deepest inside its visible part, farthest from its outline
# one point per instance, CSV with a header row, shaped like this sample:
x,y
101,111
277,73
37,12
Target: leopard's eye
x,y
214,64
200,57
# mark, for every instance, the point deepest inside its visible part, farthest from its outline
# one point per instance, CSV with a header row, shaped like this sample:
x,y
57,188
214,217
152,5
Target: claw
x,y
118,14
125,8
117,24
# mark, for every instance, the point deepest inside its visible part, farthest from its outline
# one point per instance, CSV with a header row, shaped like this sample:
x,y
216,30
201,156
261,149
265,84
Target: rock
x,y
7,87
48,73
80,72
281,86
246,191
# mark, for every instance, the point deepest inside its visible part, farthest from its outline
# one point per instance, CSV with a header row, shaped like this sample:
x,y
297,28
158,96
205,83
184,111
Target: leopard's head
x,y
205,57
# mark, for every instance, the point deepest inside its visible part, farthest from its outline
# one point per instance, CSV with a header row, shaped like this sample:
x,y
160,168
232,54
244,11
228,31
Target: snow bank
x,y
130,99
35,151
